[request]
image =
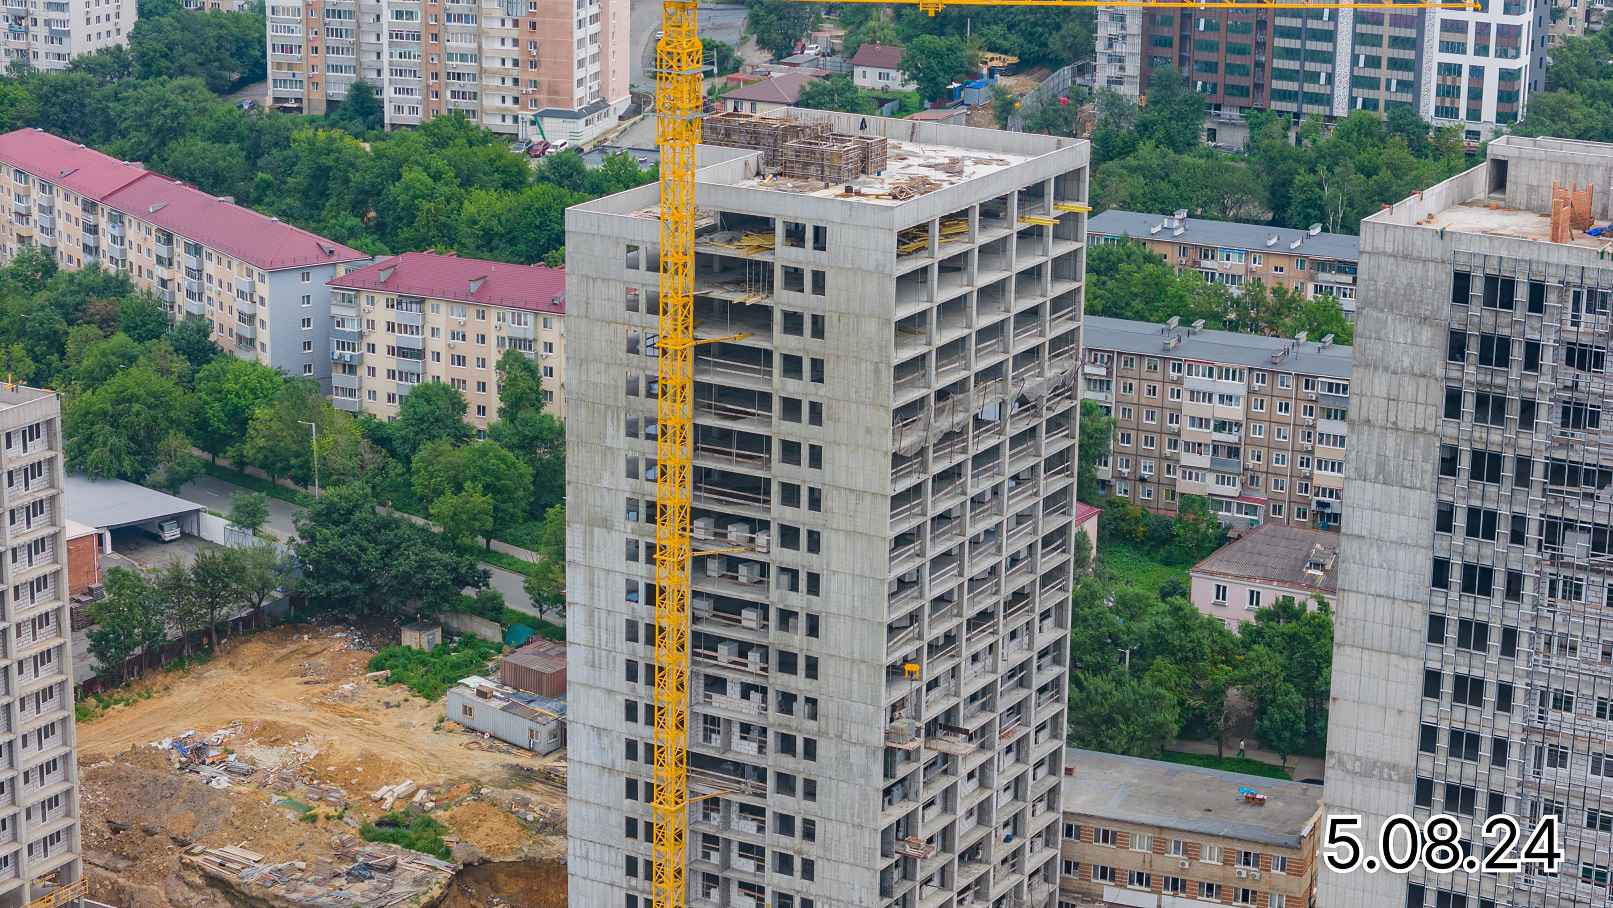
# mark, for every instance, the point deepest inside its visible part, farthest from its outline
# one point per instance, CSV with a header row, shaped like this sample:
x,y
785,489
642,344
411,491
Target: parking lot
x,y
147,551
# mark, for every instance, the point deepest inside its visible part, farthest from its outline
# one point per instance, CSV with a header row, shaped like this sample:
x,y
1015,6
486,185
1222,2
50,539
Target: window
x,y
1481,523
1254,600
1220,594
1484,466
1456,347
1495,350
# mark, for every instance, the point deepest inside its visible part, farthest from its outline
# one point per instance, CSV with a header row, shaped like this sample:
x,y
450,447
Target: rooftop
x,y
879,56
1301,559
515,702
540,655
239,232
111,503
536,288
1141,225
781,89
1251,350
12,395
1189,798
1484,216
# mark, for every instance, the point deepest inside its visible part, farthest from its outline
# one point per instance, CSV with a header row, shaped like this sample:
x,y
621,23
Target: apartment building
x,y
1261,567
421,316
48,34
39,808
1472,69
1472,677
1226,252
1255,424
526,68
1146,833
884,442
259,281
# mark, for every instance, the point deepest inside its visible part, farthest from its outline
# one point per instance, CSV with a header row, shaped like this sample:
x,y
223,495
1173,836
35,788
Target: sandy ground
x,y
367,735
140,812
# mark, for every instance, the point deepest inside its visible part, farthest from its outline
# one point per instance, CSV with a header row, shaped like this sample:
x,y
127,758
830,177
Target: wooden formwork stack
x,y
735,129
831,160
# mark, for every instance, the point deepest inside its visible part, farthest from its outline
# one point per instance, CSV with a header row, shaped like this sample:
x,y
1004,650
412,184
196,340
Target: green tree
x,y
1097,428
258,571
520,384
430,411
249,510
140,316
104,359
128,621
546,586
176,465
1121,714
281,443
1174,114
229,392
1281,723
215,581
185,610
836,93
1127,280
724,59
361,111
1198,531
117,430
776,25
933,63
464,515
441,470
192,338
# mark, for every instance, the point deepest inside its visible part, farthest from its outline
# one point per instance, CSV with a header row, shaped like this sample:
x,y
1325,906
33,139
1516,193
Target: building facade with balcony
x,y
1255,424
526,68
48,34
259,281
421,316
40,843
884,447
1472,678
1310,262
1472,69
1147,833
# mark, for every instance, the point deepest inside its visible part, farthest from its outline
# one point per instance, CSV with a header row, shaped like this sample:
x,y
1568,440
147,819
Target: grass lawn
x,y
1229,764
1134,566
256,484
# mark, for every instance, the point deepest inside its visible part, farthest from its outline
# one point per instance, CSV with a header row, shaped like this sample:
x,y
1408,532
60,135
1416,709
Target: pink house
x,y
1086,523
1269,562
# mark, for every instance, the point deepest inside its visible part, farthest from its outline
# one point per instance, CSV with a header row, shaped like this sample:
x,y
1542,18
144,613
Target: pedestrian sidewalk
x,y
1299,768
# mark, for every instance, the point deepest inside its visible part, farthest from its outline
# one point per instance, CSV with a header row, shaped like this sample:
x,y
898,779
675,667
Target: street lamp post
x,y
314,445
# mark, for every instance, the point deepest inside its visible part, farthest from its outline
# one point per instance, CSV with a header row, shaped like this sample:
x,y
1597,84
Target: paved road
x,y
717,22
216,494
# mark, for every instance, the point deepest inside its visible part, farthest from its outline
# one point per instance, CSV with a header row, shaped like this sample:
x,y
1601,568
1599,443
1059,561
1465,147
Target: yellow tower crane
x,y
677,110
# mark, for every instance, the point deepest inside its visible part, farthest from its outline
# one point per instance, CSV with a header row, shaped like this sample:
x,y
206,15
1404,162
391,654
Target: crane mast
x,y
677,129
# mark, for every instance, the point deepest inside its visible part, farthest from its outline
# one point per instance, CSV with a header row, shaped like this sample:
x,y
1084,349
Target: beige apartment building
x,y
1150,834
1233,254
528,68
421,316
1255,424
48,34
259,281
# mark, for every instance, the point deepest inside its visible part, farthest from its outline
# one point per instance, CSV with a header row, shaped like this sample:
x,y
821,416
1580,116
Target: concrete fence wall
x,y
462,623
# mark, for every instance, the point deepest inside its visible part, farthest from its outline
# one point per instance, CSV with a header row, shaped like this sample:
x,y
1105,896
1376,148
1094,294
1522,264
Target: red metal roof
x,y
537,288
76,167
240,232
262,241
879,56
1085,512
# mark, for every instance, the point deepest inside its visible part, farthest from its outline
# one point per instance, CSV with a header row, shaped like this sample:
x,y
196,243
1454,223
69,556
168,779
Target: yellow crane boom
x,y
677,110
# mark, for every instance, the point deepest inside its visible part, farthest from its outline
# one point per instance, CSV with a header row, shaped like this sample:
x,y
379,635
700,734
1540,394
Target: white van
x,y
168,529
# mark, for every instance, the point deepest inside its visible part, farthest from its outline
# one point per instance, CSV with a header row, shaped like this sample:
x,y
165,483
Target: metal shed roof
x,y
111,503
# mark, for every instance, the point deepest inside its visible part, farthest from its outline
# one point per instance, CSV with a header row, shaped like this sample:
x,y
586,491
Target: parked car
x,y
246,104
538,149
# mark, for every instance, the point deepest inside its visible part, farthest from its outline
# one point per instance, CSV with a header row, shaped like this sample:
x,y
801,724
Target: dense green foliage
x,y
1226,764
1127,280
430,675
414,831
1578,100
1147,667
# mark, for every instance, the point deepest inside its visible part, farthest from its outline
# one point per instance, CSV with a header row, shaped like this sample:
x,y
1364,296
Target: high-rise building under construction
x,y
884,444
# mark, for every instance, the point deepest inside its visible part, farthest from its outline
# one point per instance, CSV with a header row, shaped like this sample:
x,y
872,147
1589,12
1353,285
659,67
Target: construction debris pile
x,y
808,151
358,874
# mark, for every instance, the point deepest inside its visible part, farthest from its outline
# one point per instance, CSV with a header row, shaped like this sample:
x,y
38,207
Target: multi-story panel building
x,y
48,34
1471,677
1146,833
884,435
1226,252
39,805
421,316
1454,67
1256,424
479,57
259,281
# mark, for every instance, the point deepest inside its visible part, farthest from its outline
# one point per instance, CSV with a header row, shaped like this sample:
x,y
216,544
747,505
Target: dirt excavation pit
x,y
321,740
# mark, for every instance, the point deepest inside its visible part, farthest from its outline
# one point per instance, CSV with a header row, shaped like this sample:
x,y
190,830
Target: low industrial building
x,y
536,668
514,717
1266,564
109,505
1151,834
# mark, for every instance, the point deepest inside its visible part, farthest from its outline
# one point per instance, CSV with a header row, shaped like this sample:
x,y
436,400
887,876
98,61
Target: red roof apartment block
x,y
536,288
261,241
